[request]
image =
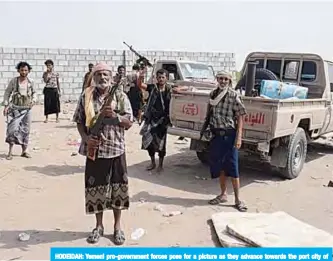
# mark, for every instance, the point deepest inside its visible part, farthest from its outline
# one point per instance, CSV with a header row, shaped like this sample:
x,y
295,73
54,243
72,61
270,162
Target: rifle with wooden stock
x,y
99,121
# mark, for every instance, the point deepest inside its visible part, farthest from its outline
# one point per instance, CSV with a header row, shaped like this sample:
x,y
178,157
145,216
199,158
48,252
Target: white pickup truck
x,y
277,131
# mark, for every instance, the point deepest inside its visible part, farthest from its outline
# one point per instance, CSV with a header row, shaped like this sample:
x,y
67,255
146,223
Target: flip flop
x,y
119,237
95,235
218,200
240,206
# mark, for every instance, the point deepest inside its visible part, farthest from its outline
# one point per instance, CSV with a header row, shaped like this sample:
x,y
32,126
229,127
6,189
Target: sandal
x,y
95,235
151,167
218,200
26,155
9,157
240,206
119,237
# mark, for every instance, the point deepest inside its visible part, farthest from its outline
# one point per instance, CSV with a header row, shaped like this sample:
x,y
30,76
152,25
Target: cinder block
x,y
8,62
63,51
8,74
94,52
73,63
62,62
8,50
70,56
73,74
60,57
80,57
43,50
67,79
41,57
4,68
5,56
110,52
53,51
68,91
84,51
100,58
40,62
102,52
79,69
31,50
4,80
19,50
83,63
74,51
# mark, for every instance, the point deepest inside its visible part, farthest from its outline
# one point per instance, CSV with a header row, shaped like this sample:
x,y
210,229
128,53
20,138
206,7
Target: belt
x,y
222,132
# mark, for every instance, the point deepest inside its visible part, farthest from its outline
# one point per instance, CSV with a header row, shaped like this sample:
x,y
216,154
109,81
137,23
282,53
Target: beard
x,y
103,86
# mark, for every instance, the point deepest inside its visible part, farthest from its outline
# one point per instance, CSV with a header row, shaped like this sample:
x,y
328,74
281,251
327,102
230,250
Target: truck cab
x,y
275,130
182,72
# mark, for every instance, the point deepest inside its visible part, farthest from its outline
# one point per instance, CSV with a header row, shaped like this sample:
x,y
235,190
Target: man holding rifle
x,y
102,115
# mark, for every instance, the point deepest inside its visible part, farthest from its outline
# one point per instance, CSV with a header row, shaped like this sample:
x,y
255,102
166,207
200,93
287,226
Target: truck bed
x,y
266,119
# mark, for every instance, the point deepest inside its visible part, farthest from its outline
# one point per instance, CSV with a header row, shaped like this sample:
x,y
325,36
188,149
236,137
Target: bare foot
x,y
9,157
57,120
46,121
151,167
159,170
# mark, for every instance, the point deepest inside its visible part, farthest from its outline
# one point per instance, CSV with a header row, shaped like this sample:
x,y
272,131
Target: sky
x,y
223,26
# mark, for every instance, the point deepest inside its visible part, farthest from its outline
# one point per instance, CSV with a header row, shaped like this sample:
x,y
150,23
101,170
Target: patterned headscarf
x,y
224,74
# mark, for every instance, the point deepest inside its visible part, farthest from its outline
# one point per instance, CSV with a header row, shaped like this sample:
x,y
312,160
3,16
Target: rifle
x,y
142,61
100,121
206,123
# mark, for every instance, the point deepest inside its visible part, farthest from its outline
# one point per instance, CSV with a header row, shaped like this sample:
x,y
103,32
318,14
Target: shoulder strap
x,y
17,85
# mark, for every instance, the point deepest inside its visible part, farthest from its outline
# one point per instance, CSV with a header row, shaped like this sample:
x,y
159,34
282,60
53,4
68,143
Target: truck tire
x,y
261,74
203,156
297,150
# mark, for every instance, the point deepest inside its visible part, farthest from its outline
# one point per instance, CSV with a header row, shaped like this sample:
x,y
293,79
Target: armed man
x,y
103,113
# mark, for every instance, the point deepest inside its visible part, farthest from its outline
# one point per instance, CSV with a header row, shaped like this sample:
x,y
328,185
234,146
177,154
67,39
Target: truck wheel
x,y
296,155
261,74
203,156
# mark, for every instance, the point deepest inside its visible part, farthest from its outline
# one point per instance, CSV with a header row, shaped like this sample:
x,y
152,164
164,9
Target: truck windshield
x,y
196,71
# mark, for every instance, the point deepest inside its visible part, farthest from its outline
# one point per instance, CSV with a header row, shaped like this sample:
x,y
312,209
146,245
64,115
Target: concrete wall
x,y
72,64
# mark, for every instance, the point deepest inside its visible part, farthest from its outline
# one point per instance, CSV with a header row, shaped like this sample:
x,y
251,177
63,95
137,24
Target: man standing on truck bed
x,y
154,130
225,120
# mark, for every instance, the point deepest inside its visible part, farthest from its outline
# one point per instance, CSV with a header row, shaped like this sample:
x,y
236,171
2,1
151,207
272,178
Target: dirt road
x,y
44,196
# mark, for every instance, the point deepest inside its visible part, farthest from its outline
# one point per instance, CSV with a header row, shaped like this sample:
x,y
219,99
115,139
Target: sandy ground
x,y
44,196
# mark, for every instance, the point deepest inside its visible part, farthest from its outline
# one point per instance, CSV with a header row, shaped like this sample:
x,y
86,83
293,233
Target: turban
x,y
224,74
101,67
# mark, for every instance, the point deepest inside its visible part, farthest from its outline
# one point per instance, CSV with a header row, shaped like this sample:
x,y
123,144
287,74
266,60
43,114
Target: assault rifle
x,y
142,61
100,121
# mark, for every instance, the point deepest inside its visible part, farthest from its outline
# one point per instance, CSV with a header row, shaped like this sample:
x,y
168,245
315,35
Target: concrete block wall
x,y
72,64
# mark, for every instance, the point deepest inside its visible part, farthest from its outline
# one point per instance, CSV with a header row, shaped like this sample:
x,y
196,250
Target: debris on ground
x,y
138,233
23,237
158,208
200,178
172,213
142,200
267,230
330,184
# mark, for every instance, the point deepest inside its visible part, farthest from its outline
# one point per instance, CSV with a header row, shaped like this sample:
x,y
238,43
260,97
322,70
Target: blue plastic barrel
x,y
280,90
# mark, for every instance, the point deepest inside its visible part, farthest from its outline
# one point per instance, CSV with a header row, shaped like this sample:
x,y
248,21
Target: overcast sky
x,y
239,27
